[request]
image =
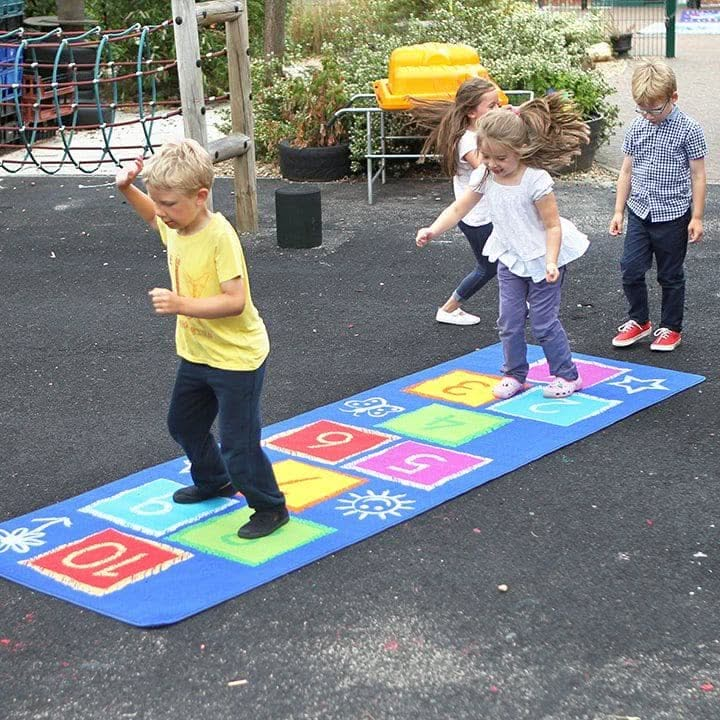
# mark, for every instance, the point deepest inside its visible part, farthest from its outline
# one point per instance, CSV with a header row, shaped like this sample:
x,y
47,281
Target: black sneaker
x,y
194,494
263,522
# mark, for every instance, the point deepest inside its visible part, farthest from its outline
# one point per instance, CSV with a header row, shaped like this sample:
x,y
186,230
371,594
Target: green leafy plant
x,y
298,104
311,104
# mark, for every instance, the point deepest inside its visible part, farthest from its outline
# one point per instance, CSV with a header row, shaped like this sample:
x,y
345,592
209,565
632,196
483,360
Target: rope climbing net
x,y
58,84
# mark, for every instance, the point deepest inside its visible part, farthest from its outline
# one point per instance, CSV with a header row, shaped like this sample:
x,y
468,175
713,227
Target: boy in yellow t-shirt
x,y
220,337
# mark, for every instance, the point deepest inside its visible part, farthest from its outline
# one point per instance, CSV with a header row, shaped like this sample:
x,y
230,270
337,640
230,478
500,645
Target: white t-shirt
x,y
480,214
519,239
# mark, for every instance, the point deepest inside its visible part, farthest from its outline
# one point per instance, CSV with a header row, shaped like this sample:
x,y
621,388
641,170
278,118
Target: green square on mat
x,y
444,425
218,536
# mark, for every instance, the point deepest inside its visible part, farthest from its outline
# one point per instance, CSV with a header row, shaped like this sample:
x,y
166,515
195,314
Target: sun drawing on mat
x,y
371,503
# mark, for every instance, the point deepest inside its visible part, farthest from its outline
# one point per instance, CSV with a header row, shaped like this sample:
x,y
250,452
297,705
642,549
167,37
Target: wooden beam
x,y
232,146
238,57
190,77
218,11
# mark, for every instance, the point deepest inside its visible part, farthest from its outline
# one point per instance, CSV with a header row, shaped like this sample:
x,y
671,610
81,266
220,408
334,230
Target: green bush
x,y
297,105
34,8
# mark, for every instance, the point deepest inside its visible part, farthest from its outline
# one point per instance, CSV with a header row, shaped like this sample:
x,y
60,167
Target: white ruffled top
x,y
519,239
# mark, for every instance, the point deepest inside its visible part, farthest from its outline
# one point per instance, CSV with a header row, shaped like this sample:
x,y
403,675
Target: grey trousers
x,y
543,299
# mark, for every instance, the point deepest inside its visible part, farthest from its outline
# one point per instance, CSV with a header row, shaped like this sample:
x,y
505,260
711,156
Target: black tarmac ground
x,y
609,547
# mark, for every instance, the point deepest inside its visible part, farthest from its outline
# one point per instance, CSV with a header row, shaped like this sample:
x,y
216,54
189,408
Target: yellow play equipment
x,y
430,71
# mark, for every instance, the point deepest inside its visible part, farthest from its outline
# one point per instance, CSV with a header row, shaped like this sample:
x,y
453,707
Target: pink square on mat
x,y
421,466
592,373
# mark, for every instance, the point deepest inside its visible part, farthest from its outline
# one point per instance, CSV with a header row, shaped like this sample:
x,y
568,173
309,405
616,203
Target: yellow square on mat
x,y
459,386
306,485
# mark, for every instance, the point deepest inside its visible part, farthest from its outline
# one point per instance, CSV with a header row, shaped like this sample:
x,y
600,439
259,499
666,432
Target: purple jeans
x,y
544,301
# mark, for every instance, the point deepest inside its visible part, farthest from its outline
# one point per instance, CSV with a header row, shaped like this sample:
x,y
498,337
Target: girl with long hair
x,y
531,243
452,136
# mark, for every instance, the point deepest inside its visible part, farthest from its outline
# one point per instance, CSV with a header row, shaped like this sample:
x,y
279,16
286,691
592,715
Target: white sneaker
x,y
562,388
456,317
507,388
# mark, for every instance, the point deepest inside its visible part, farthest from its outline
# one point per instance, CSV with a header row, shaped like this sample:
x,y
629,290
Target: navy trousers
x,y
484,270
203,393
667,242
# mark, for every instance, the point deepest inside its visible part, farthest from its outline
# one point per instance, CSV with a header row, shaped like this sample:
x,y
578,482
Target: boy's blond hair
x,y
184,166
653,80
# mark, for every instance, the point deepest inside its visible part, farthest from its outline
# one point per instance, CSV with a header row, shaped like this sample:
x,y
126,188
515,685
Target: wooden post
x,y
190,79
187,17
187,50
238,56
70,12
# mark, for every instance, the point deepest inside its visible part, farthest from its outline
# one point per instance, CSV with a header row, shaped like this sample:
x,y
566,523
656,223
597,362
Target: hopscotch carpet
x,y
349,470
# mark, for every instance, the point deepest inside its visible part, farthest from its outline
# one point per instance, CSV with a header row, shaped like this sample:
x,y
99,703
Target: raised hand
x,y
126,175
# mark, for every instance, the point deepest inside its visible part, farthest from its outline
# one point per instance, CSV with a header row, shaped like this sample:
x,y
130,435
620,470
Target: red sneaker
x,y
666,340
631,332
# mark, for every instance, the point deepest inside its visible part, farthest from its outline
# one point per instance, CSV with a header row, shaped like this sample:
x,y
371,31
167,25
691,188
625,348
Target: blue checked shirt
x,y
661,157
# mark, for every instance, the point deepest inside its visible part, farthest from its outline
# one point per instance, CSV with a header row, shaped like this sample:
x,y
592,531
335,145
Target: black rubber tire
x,y
317,164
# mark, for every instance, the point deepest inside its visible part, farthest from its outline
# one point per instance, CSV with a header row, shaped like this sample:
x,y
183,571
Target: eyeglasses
x,y
652,111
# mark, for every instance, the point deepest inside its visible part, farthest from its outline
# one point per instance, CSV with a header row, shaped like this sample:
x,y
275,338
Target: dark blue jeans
x,y
203,393
667,242
484,270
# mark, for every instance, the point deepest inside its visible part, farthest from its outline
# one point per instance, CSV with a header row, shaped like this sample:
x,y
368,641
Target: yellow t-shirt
x,y
198,263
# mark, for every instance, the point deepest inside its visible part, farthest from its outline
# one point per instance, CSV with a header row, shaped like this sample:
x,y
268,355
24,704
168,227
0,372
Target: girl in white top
x,y
453,137
531,242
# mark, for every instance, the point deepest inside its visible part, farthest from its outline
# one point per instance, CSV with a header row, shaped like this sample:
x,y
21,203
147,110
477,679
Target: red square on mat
x,y
106,561
327,441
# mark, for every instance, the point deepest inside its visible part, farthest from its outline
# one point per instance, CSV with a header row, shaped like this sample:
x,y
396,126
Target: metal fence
x,y
650,23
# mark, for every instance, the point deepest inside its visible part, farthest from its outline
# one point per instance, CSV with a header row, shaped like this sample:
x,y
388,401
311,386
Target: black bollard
x,y
298,216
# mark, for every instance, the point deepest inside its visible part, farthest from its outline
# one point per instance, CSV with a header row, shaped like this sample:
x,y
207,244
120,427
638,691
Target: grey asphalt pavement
x,y
609,547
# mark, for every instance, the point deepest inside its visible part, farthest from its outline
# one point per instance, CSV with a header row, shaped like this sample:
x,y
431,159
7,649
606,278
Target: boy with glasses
x,y
662,182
